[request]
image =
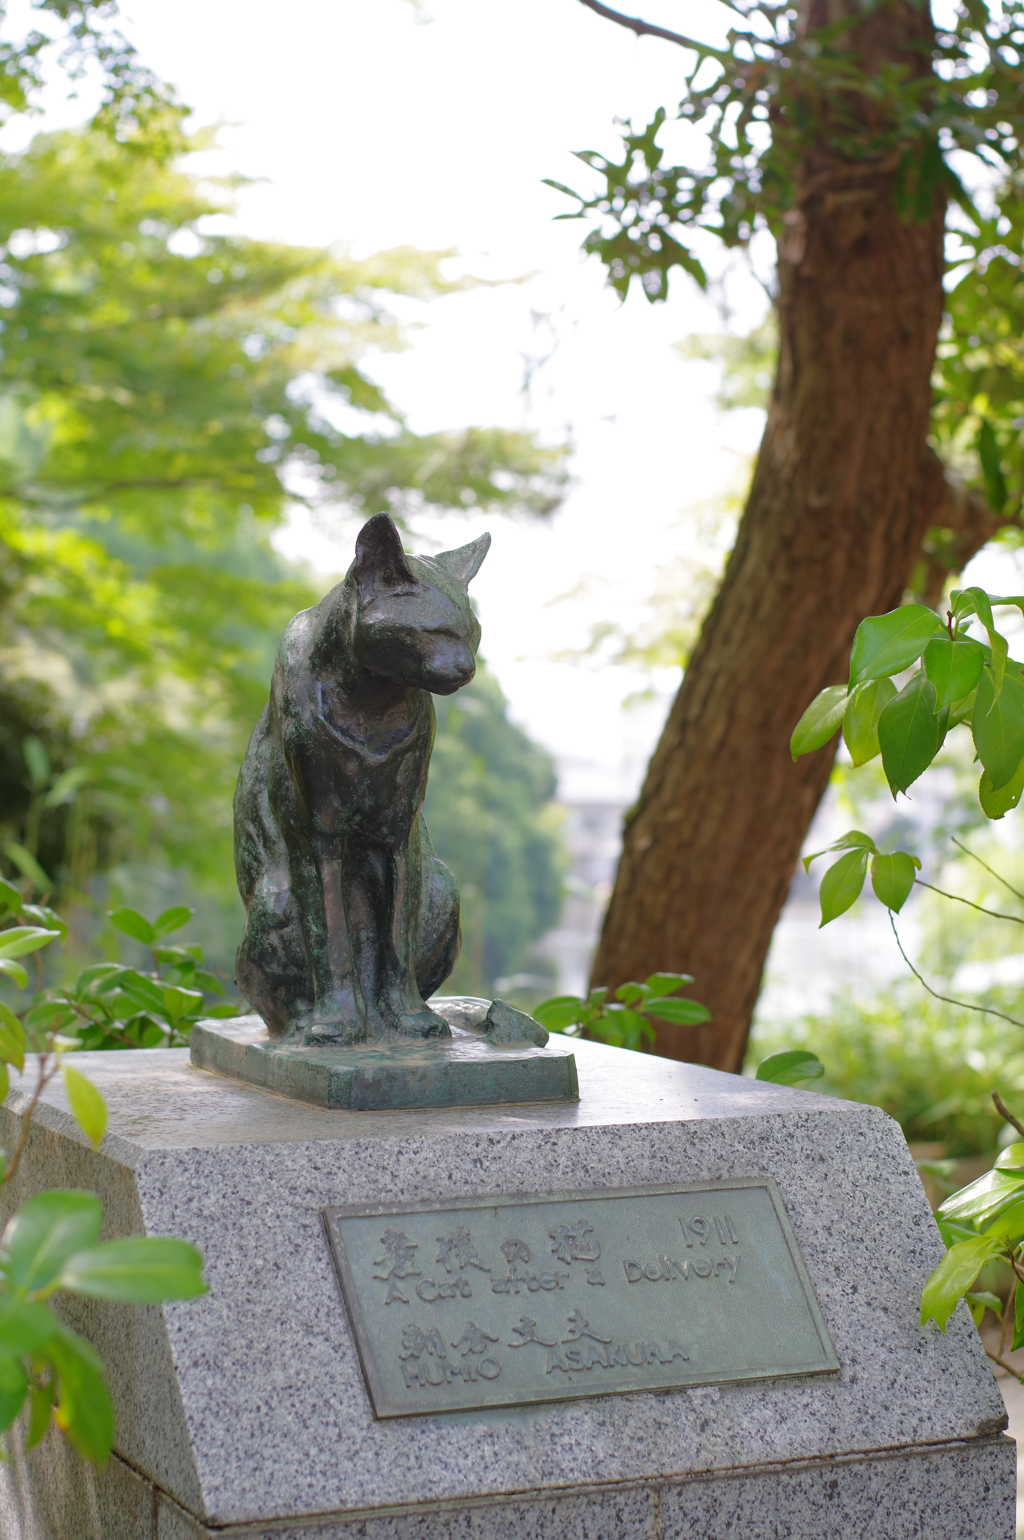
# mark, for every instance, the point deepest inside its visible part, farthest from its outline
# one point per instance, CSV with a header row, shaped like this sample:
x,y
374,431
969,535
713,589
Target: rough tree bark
x,y
844,493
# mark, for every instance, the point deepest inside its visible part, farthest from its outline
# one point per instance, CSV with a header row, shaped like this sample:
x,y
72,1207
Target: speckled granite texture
x,y
247,1409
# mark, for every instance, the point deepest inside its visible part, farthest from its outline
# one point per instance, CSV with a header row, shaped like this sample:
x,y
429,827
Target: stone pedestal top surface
x,y
249,1405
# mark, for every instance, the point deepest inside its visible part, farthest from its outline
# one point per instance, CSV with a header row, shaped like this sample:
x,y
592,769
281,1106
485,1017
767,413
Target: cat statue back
x,y
352,921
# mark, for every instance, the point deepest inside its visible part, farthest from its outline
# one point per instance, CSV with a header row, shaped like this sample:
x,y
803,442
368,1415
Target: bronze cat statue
x,y
352,921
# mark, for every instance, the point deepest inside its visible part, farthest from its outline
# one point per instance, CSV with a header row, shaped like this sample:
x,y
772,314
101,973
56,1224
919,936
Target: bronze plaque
x,y
507,1301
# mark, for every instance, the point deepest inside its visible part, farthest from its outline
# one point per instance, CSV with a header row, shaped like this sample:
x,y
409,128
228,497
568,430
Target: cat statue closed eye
x,y
352,921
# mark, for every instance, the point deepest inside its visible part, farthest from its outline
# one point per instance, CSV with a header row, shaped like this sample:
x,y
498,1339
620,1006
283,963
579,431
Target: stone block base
x,y
950,1492
246,1414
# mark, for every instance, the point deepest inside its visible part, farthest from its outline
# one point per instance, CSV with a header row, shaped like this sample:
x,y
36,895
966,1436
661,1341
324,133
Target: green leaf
x,y
180,1002
854,840
83,1410
892,878
860,724
991,467
5,1086
37,760
13,1389
66,787
131,923
682,1013
841,885
12,1038
666,983
820,721
40,1412
887,644
24,1326
172,919
50,1016
560,1012
14,970
980,1201
44,1232
49,919
208,981
982,1301
977,601
87,1106
998,725
953,1277
954,667
28,866
1011,1159
619,1024
996,804
19,940
10,897
96,977
144,1270
962,709
629,994
142,991
909,733
790,1066
952,1230
1008,1225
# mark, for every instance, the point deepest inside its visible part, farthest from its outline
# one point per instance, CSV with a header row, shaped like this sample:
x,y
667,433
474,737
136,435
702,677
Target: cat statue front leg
x,y
382,890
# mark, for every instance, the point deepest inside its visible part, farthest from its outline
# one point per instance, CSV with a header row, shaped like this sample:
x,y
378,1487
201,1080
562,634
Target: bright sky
x,y
374,126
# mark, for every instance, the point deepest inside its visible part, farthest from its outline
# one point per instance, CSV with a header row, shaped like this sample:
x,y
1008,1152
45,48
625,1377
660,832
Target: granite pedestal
x,y
246,1414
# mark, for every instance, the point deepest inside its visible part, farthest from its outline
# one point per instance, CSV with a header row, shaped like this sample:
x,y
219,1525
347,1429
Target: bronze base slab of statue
x,y
491,1057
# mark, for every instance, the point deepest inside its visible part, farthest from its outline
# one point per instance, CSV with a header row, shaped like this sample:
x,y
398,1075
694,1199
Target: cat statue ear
x,y
465,562
379,554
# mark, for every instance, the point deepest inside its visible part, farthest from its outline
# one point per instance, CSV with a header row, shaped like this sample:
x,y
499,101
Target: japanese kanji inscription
x,y
506,1301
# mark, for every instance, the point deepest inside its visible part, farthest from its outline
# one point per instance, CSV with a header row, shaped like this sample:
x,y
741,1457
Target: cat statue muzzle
x,y
352,921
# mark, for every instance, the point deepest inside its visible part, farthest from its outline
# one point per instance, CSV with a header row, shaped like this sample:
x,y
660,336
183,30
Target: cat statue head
x,y
411,619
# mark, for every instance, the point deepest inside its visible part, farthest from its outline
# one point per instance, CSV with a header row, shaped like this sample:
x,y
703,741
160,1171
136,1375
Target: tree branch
x,y
1003,1112
988,868
996,914
641,28
966,1005
958,523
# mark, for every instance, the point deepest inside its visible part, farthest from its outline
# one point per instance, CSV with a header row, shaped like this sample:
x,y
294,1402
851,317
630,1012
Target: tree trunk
x,y
843,493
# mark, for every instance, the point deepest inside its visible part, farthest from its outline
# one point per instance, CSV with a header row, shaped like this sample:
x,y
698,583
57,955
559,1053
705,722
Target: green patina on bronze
x,y
468,1068
511,1300
352,922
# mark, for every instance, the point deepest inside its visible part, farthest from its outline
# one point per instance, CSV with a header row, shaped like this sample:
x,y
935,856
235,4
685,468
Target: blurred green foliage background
x,y
165,394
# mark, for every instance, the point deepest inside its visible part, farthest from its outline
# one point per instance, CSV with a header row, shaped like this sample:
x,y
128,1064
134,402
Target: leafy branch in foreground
x,y
51,1245
110,1005
781,92
955,679
790,1067
625,1021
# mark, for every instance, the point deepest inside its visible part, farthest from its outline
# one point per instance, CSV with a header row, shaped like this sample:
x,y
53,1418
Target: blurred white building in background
x,y
806,966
